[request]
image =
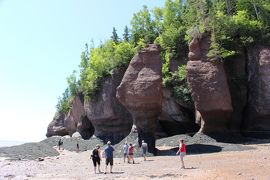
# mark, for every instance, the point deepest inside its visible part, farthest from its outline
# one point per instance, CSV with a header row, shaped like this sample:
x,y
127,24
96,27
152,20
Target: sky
x,y
40,45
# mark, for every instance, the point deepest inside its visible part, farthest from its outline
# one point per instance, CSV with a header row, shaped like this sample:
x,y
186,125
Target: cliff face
x,y
73,117
57,127
229,96
74,121
233,96
257,118
110,119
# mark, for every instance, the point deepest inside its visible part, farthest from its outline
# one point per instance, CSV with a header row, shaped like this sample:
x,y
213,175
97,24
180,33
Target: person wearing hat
x,y
109,156
96,158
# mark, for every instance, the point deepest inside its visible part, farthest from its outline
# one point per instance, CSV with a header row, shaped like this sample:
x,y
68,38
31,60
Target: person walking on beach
x,y
130,153
96,158
125,151
78,147
60,144
109,156
144,149
182,151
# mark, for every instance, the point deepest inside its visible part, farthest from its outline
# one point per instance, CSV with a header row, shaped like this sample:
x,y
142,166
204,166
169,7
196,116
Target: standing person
x,y
144,149
60,144
182,151
78,147
109,156
130,153
125,150
96,158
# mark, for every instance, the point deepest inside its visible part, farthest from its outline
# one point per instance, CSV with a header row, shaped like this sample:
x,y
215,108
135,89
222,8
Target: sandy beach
x,y
248,164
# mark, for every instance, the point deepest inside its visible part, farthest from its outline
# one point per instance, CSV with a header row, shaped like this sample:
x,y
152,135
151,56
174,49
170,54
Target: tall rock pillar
x,y
209,88
141,92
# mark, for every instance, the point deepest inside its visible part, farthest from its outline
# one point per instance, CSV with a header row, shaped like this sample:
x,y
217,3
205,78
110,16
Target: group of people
x,y
128,150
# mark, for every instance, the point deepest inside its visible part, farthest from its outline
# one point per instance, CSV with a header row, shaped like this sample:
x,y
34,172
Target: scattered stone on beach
x,y
196,144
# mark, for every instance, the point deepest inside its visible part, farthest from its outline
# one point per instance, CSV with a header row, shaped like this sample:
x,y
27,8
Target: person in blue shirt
x,y
109,156
125,150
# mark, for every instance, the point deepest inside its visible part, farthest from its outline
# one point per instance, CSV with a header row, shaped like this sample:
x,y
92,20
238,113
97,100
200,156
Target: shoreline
x,y
247,164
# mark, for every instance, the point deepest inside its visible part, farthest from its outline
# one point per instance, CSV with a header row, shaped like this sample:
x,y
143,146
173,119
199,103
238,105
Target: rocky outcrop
x,y
141,92
74,115
110,119
175,119
57,127
199,48
257,118
209,88
74,121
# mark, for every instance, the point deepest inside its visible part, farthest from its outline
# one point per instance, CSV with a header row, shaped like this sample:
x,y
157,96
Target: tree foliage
x,y
126,35
143,27
114,36
232,24
63,104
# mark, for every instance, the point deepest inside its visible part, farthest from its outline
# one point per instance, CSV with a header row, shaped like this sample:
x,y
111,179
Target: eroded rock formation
x,y
141,92
234,96
85,127
257,119
209,88
74,121
74,115
57,127
174,118
110,119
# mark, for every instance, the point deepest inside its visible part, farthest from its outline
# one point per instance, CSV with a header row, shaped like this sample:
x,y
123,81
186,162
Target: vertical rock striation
x,y
257,120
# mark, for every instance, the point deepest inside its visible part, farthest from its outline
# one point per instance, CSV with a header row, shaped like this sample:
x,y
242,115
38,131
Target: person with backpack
x,y
96,158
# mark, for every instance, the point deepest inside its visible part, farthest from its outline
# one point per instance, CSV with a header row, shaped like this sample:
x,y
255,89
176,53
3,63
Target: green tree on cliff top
x,y
233,24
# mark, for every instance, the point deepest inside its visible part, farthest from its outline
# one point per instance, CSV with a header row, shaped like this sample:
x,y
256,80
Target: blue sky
x,y
40,45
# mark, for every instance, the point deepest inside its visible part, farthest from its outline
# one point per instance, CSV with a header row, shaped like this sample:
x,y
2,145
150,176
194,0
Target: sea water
x,y
10,143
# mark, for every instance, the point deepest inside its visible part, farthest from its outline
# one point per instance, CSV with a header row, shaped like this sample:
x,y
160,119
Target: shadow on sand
x,y
149,160
192,149
119,172
191,168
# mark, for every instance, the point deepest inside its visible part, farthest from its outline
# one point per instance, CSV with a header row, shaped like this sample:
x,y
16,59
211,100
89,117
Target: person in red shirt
x,y
182,151
130,153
